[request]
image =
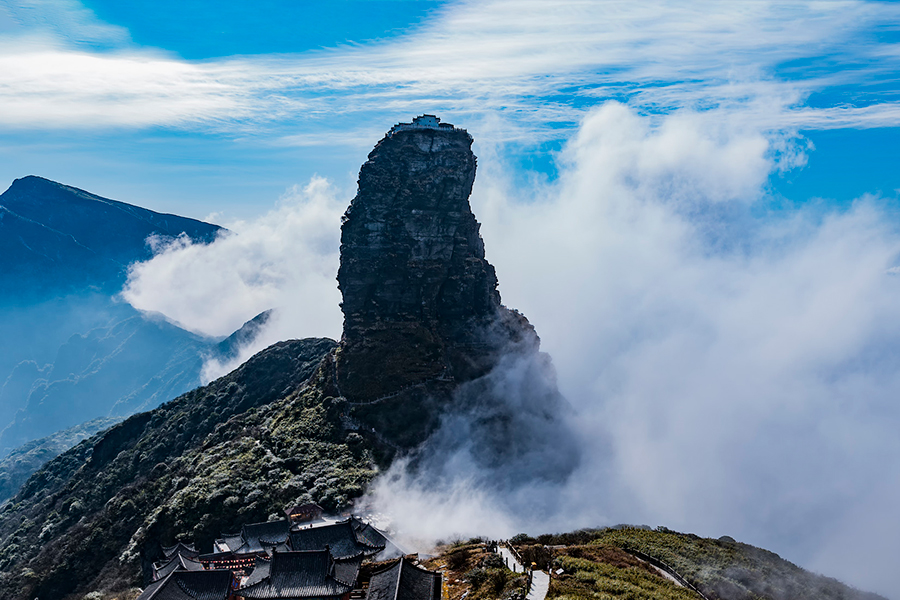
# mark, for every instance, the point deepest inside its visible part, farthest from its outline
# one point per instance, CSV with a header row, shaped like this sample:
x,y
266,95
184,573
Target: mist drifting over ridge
x,y
730,375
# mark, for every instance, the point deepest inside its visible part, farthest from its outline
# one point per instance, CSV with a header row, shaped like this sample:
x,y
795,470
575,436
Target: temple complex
x,y
288,560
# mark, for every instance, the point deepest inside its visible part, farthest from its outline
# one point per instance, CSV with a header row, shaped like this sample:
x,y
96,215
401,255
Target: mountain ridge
x,y
54,226
71,351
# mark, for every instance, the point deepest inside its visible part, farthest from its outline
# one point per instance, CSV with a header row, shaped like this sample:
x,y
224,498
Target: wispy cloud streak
x,y
474,59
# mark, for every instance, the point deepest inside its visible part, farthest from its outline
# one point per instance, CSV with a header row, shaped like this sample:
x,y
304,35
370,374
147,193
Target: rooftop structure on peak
x,y
422,122
405,581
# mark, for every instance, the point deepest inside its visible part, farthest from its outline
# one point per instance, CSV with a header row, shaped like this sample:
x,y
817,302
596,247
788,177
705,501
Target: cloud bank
x,y
286,260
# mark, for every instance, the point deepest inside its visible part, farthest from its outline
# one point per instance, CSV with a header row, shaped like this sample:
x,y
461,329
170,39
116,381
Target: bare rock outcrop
x,y
420,300
426,339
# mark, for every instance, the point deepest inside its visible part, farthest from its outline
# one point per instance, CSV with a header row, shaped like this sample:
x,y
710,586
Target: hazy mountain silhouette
x,y
69,351
56,239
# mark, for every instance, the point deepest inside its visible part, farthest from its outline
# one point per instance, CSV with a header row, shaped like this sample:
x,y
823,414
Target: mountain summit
x,y
426,339
57,238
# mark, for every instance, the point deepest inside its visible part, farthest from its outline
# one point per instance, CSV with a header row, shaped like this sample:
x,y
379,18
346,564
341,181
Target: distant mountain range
x,y
56,239
70,351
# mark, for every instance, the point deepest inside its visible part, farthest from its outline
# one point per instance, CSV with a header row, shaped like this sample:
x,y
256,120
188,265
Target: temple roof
x,y
347,570
255,537
368,534
260,571
297,575
178,562
182,549
405,581
340,539
259,536
190,585
230,542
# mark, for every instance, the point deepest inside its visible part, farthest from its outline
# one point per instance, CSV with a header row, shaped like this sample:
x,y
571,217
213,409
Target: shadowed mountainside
x,y
22,462
69,351
55,239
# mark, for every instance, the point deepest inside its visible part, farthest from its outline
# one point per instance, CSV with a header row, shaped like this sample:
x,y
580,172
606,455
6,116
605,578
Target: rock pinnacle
x,y
420,300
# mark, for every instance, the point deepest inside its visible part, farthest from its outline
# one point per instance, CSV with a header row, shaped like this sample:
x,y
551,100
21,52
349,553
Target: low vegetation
x,y
602,561
605,572
473,572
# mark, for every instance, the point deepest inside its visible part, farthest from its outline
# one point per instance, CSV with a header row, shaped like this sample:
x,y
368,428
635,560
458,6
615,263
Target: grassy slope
x,y
605,572
472,573
235,451
720,569
591,573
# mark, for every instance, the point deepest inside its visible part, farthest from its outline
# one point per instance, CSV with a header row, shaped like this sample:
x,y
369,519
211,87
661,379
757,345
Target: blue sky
x,y
203,29
696,204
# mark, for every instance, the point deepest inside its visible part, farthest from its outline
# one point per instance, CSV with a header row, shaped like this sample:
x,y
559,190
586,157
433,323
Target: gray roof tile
x,y
297,575
191,585
405,581
339,538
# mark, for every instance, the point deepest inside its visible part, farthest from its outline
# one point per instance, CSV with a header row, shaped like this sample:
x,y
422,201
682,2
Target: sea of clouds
x,y
731,361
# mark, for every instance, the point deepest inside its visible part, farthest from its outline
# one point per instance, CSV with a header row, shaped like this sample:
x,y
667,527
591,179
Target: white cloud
x,y
534,63
286,259
53,88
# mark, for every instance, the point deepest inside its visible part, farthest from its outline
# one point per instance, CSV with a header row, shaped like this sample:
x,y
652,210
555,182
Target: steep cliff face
x,y
420,301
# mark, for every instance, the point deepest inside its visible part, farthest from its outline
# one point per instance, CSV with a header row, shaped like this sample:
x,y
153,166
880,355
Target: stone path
x,y
540,581
509,559
540,584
